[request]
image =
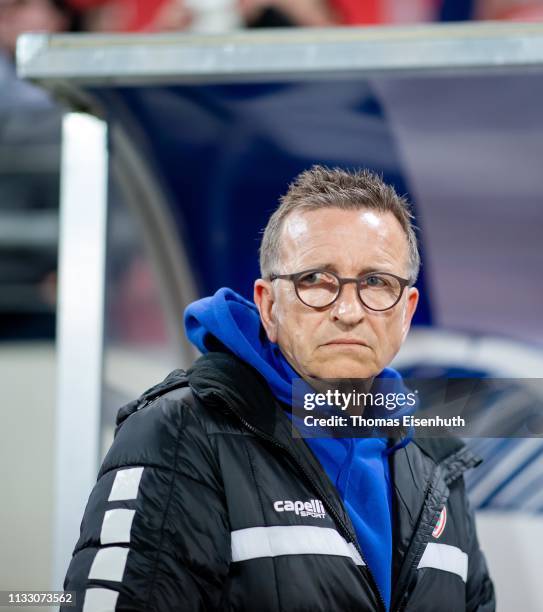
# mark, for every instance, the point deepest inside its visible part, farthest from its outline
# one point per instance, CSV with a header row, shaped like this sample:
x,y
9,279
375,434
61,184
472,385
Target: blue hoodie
x,y
357,466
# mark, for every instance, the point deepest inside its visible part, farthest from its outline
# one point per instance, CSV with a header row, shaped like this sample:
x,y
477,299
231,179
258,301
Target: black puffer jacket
x,y
205,501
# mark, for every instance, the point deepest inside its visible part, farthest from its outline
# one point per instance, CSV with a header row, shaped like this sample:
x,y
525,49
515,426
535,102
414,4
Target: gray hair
x,y
322,187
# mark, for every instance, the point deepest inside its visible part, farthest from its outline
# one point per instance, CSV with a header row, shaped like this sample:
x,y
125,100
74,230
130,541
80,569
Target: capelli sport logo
x,y
313,507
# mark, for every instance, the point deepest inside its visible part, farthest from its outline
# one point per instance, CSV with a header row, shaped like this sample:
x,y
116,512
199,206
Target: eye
x,y
311,278
317,279
375,281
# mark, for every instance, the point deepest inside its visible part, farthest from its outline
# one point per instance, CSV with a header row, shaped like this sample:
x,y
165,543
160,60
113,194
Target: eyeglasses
x,y
320,288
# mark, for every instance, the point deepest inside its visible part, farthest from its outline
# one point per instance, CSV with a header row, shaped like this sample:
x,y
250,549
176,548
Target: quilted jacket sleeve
x,y
480,595
155,533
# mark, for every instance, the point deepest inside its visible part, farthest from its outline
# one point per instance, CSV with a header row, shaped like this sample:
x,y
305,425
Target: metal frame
x,y
273,54
83,225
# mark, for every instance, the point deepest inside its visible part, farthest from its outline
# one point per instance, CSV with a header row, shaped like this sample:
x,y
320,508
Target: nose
x,y
348,308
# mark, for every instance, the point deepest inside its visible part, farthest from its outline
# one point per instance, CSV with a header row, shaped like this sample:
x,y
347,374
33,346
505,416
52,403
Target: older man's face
x,y
345,340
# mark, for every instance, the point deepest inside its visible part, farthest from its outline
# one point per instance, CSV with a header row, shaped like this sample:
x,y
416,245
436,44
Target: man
x,y
206,501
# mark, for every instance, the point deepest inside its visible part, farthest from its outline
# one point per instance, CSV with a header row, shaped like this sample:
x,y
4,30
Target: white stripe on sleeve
x,y
109,564
257,542
126,484
100,600
445,557
116,526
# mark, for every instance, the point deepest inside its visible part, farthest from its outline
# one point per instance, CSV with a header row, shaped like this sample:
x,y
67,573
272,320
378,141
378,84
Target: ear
x,y
410,307
264,299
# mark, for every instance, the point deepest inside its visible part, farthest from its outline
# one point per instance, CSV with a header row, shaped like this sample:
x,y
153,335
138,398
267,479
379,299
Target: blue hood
x,y
357,467
228,321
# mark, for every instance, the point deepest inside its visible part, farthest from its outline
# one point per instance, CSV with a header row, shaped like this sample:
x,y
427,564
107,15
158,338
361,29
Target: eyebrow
x,y
333,268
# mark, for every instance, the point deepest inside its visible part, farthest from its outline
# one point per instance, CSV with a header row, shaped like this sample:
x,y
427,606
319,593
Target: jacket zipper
x,y
331,509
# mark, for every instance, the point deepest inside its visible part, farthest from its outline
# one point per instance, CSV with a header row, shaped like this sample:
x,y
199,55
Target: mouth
x,y
346,342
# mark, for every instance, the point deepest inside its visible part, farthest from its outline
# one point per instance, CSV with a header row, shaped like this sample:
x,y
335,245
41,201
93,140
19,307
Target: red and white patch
x,y
440,525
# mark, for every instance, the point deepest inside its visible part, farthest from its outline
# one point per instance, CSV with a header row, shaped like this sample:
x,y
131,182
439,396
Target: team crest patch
x,y
440,525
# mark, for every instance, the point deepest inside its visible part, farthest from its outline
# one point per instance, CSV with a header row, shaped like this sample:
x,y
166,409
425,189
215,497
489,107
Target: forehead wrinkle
x,y
295,244
383,250
380,257
393,252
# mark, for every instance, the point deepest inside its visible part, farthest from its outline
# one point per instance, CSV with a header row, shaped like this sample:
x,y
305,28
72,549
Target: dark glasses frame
x,y
296,276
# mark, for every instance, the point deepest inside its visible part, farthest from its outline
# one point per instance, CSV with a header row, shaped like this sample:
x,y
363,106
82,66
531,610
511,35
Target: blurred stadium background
x,y
165,195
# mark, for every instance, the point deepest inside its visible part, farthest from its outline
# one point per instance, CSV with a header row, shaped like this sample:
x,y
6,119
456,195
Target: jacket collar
x,y
219,378
451,453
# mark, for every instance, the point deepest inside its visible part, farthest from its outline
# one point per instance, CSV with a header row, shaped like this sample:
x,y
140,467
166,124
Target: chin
x,y
344,368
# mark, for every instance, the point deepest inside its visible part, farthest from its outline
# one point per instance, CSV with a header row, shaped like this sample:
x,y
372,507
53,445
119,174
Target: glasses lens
x,y
380,291
317,289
